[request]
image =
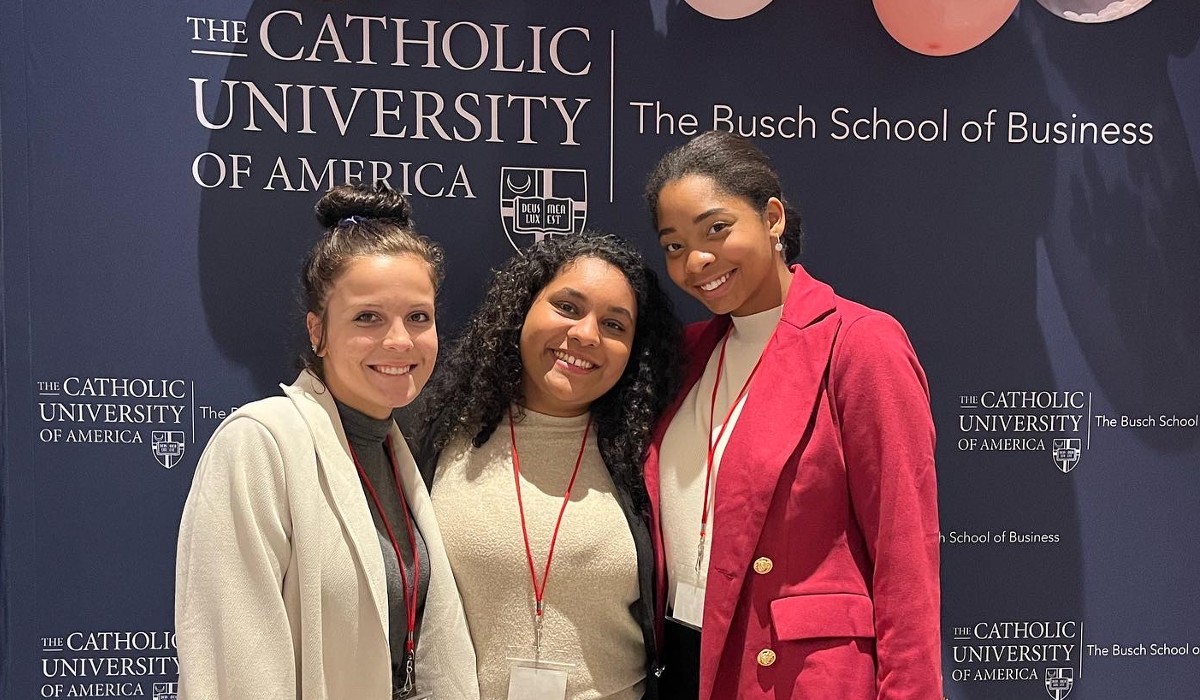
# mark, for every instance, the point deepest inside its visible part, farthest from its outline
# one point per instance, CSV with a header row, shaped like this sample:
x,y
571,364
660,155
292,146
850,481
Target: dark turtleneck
x,y
367,437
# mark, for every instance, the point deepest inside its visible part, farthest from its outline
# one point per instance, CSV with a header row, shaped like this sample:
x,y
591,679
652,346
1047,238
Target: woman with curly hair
x,y
536,429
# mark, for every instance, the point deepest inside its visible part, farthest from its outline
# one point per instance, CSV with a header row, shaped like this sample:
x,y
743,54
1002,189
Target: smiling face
x,y
719,248
576,338
377,337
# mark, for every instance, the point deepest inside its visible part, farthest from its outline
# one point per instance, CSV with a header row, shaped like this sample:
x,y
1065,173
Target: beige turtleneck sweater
x,y
593,578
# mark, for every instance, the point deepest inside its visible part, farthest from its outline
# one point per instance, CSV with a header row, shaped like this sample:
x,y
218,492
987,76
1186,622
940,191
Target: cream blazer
x,y
280,589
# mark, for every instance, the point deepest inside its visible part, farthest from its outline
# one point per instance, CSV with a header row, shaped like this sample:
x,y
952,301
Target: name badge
x,y
689,604
537,679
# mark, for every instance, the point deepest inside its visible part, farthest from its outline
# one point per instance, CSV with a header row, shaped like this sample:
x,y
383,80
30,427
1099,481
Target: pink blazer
x,y
827,483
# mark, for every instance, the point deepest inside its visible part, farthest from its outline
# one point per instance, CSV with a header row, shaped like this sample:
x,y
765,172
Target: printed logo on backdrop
x,y
1054,423
537,203
110,663
1066,453
1058,424
168,446
1059,682
523,108
1018,654
155,416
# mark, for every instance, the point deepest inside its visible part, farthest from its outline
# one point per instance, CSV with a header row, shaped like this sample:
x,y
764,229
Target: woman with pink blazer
x,y
792,479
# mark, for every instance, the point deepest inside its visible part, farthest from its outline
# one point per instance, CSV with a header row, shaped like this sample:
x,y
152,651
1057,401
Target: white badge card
x,y
418,695
532,679
689,604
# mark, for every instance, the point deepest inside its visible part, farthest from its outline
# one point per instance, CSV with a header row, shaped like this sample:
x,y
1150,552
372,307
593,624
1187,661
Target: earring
x,y
314,348
778,246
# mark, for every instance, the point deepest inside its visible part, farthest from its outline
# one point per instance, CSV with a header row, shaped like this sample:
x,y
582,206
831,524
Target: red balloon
x,y
943,27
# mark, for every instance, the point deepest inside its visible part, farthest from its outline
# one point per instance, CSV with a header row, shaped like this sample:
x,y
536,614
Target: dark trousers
x,y
681,663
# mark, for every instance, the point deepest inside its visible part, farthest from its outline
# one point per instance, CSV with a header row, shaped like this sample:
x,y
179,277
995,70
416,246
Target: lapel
x,y
775,419
337,472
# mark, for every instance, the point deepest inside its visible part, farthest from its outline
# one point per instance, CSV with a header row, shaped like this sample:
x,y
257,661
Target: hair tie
x,y
352,219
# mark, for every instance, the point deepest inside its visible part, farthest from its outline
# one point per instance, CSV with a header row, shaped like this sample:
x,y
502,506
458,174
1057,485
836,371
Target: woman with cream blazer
x,y
292,581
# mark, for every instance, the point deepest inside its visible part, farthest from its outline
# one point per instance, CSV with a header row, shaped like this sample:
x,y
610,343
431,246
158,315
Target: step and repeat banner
x,y
1017,182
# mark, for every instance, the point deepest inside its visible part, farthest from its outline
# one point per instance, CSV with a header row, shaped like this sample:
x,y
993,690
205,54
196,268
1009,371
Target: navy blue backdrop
x,y
160,162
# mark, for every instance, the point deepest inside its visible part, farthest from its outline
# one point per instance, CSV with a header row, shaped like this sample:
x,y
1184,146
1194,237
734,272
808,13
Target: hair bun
x,y
377,201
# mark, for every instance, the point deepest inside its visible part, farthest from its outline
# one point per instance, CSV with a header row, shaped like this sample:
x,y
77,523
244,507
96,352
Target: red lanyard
x,y
410,598
712,444
539,590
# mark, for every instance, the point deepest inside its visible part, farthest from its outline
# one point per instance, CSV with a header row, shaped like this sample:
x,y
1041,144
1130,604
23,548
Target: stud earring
x,y
314,349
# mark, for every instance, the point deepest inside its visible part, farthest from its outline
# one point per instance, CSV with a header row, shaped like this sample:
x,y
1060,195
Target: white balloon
x,y
728,9
1093,11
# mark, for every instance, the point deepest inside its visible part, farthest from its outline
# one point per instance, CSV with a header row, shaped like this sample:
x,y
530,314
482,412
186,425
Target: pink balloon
x,y
943,27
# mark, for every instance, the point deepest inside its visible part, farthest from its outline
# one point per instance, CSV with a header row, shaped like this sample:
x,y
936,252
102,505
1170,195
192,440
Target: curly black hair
x,y
480,376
